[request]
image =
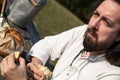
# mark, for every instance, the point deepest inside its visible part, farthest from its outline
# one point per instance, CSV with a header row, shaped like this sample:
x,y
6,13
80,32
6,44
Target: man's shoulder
x,y
113,69
80,30
109,69
110,72
85,26
104,69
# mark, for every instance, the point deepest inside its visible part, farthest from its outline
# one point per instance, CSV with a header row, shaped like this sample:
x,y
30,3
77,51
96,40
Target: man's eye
x,y
107,23
95,14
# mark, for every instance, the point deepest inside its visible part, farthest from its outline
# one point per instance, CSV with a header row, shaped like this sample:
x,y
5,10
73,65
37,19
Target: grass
x,y
54,18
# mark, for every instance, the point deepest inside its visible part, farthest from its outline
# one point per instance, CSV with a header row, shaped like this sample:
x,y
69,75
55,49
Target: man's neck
x,y
94,53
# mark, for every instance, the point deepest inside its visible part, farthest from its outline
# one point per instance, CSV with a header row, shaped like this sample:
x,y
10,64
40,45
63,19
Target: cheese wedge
x,y
17,54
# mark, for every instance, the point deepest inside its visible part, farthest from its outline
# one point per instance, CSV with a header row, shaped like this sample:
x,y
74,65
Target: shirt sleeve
x,y
52,47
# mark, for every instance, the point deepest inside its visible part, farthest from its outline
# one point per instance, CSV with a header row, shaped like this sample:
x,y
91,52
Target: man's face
x,y
104,26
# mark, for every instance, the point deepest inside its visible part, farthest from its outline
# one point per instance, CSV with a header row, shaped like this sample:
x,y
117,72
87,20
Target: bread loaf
x,y
10,41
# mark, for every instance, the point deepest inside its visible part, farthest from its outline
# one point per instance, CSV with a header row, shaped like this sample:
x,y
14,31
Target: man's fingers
x,y
22,62
38,77
1,69
33,68
7,63
33,76
11,59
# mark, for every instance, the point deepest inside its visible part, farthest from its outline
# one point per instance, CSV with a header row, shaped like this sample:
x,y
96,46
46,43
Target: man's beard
x,y
90,44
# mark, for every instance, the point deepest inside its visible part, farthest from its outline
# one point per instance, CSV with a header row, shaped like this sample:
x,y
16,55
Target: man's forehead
x,y
109,8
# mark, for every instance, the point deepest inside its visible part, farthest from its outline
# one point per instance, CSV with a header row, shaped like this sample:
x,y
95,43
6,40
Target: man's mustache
x,y
92,31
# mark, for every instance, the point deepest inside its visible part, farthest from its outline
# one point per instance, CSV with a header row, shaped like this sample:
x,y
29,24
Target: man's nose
x,y
96,23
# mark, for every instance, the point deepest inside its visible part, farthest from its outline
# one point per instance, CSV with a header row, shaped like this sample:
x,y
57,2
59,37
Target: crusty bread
x,y
10,41
17,35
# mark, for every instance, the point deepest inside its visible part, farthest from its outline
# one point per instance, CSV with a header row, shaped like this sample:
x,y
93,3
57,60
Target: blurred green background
x,y
54,18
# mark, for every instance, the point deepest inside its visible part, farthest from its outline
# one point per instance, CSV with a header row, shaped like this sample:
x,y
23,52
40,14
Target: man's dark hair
x,y
113,54
118,1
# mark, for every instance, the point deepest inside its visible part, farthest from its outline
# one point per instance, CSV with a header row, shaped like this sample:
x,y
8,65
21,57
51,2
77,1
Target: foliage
x,y
81,8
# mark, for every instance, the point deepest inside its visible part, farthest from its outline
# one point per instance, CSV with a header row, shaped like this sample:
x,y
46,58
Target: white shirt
x,y
89,68
67,46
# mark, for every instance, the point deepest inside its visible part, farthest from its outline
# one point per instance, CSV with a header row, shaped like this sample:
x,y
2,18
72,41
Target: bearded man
x,y
88,52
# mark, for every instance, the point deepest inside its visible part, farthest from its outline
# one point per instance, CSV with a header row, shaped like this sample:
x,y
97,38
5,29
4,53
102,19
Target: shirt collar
x,y
93,58
96,58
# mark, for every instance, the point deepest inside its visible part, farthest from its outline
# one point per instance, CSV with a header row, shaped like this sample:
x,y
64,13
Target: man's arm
x,y
35,60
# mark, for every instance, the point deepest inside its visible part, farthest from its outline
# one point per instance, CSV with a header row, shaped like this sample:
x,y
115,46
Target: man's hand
x,y
11,71
33,72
